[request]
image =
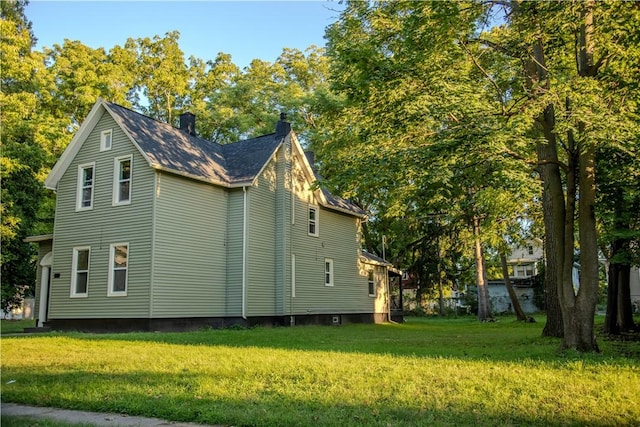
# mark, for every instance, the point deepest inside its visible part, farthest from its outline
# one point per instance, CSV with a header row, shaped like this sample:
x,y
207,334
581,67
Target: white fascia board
x,y
74,146
311,176
308,170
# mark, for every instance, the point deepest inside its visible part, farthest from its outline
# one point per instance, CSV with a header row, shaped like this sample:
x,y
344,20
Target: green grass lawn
x,y
15,326
424,372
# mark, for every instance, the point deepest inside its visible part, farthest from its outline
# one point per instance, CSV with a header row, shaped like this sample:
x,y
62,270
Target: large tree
x,y
416,79
22,156
416,126
572,52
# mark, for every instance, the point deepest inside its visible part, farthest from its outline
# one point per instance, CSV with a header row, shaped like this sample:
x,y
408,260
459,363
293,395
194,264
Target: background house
x,y
523,265
156,228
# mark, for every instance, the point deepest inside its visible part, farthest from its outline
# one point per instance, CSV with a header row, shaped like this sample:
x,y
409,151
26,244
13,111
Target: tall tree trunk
x,y
441,309
619,315
581,336
440,280
553,206
515,303
484,304
625,309
553,326
578,312
553,214
553,202
611,318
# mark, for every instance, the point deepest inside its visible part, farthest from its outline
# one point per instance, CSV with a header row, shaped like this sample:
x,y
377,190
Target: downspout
x,y
388,284
244,252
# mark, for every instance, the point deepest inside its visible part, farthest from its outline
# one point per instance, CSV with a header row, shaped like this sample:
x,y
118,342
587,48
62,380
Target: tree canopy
x,y
442,112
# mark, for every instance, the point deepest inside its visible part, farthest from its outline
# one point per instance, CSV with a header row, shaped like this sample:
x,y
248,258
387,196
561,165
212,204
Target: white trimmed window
x,y
105,140
118,269
328,272
524,270
86,176
80,272
314,222
122,180
372,284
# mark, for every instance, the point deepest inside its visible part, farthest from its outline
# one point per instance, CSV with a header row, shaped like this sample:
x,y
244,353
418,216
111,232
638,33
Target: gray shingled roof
x,y
175,150
368,256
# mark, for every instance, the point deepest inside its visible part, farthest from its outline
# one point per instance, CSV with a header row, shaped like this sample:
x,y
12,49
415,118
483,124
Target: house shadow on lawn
x,y
463,338
181,398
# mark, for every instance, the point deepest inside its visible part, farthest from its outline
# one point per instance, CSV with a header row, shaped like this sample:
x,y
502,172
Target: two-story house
x,y
156,228
524,259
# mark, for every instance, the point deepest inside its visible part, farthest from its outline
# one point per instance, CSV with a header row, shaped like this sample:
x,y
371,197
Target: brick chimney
x,y
188,123
282,126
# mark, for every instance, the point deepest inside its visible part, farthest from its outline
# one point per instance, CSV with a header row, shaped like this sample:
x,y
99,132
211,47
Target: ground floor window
x,y
118,269
328,272
80,273
372,284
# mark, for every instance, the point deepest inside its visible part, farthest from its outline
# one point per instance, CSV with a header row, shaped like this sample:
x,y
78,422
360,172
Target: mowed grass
x,y
15,326
425,372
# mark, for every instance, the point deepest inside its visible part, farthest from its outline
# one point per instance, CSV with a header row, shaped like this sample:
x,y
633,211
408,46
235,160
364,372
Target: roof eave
x,y
38,238
343,210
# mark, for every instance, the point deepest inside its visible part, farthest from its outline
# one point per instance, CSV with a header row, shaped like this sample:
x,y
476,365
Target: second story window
x,y
122,181
105,140
313,220
86,176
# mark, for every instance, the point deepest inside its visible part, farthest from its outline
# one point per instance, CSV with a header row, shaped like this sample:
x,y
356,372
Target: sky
x,y
244,29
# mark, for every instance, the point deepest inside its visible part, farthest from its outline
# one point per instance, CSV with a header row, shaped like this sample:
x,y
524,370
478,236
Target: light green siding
x,y
283,228
101,226
261,244
234,252
337,240
189,260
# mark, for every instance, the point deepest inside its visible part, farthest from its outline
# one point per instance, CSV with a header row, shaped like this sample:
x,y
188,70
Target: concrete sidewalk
x,y
84,417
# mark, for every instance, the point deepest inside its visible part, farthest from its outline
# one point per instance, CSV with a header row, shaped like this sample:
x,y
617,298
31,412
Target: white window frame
x,y
117,182
328,273
80,187
113,268
315,221
371,283
74,272
106,140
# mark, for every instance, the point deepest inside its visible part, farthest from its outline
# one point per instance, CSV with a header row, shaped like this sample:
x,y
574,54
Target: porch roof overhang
x,y
37,239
